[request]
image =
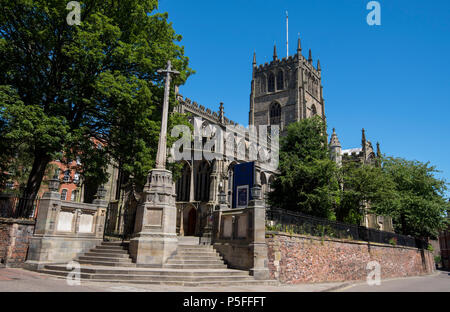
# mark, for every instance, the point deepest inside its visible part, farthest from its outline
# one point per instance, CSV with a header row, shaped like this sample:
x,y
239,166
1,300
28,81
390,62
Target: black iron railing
x,y
298,223
9,206
119,222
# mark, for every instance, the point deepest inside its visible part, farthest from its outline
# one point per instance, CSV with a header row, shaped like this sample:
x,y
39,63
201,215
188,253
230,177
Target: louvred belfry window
x,y
275,114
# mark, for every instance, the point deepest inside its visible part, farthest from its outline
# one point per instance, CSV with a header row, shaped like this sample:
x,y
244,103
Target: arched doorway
x,y
191,222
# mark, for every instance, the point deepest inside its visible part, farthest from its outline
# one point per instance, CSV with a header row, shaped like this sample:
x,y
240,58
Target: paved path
x,y
438,282
12,280
28,281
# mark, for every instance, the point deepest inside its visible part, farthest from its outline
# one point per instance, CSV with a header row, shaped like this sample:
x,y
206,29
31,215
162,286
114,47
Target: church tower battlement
x,y
286,90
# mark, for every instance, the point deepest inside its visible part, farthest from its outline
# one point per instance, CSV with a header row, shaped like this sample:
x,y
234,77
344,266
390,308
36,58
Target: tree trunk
x,y
25,207
403,222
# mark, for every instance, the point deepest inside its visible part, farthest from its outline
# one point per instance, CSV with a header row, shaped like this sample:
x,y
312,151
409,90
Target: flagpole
x,y
287,35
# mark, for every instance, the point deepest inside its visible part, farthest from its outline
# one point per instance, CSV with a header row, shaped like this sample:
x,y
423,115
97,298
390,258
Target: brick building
x,y
444,244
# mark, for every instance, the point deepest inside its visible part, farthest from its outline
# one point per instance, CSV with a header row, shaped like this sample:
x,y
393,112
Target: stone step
x,y
109,255
198,254
198,262
154,271
195,266
107,259
109,251
196,257
107,263
188,240
117,243
111,247
198,284
213,281
195,250
127,277
195,247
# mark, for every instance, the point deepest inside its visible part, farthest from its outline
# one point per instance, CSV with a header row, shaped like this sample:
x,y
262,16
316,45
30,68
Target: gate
x,y
120,220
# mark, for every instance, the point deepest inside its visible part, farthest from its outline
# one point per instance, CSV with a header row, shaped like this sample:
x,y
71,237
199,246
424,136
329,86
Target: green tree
x,y
26,131
364,188
419,206
75,83
307,181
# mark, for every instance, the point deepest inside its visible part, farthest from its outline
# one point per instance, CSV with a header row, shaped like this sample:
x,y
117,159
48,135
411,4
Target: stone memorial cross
x,y
162,144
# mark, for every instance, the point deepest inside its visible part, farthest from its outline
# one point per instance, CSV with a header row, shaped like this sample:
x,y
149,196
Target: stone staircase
x,y
191,265
108,254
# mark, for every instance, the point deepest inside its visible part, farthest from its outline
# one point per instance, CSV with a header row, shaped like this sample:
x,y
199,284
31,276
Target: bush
x,y
437,259
393,241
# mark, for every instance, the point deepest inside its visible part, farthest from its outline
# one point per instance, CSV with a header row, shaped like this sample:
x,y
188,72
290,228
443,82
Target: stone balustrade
x,y
65,229
239,236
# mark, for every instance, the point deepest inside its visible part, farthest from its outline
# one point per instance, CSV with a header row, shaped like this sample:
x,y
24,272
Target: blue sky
x,y
392,79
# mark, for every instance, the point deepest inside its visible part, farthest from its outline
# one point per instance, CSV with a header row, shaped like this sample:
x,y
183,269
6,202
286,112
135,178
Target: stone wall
x,y
302,259
15,236
64,229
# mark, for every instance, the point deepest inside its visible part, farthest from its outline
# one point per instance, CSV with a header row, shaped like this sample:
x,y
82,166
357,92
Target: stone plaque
x,y
227,227
242,226
65,219
86,221
154,217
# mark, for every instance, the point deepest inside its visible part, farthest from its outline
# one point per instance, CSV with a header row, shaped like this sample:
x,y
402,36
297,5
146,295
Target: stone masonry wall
x,y
14,239
302,259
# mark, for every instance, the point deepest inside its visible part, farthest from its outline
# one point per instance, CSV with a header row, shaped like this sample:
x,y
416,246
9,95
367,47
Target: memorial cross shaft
x,y
162,144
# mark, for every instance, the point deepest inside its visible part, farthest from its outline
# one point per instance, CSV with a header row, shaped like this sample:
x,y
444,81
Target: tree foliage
x,y
64,85
364,188
307,181
418,206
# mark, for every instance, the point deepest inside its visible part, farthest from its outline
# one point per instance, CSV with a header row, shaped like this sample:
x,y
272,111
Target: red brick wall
x,y
301,259
444,241
14,240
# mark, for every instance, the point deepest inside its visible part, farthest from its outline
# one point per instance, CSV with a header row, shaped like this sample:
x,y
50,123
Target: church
x,y
283,91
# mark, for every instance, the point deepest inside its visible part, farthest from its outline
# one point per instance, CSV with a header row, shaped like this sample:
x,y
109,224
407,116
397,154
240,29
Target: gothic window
x,y
202,182
262,86
313,110
270,183
275,114
184,184
309,82
271,83
280,80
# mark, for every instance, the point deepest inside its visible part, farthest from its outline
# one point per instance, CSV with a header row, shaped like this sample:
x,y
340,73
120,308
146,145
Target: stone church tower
x,y
286,90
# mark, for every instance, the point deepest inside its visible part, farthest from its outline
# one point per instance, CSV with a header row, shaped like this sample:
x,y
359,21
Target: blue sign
x,y
242,183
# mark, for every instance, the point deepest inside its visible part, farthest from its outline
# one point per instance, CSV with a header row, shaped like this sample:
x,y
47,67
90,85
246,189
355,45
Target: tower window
x,y
271,83
275,114
263,84
313,110
280,80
